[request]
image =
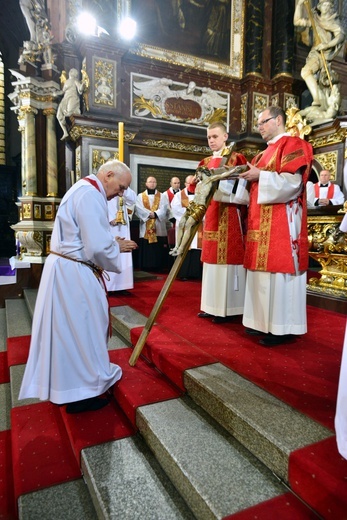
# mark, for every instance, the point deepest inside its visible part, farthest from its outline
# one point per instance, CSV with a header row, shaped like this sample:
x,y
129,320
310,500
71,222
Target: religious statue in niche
x,y
328,38
73,88
39,47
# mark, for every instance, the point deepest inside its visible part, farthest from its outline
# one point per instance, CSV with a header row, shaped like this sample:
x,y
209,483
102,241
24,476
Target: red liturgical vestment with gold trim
x,y
222,241
269,245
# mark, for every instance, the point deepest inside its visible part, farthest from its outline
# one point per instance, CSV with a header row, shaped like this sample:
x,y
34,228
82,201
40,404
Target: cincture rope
x,y
100,274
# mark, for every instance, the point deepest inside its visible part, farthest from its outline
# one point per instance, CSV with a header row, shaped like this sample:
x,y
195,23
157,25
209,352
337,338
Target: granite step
x,y
18,318
126,482
266,426
3,330
172,458
213,472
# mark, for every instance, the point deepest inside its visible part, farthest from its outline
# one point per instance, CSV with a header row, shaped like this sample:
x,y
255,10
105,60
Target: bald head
x,y
115,177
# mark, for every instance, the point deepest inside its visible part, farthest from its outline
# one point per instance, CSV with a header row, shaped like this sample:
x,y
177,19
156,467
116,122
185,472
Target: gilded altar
x,y
328,247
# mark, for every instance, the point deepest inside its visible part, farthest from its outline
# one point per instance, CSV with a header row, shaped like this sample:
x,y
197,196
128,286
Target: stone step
x,y
266,426
181,452
18,318
213,472
3,330
126,482
68,501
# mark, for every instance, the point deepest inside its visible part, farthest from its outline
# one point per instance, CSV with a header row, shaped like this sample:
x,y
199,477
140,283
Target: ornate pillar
x,y
30,150
51,160
254,37
282,38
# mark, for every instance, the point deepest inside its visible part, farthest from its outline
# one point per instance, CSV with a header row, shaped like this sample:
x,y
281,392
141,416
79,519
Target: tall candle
x,y
121,141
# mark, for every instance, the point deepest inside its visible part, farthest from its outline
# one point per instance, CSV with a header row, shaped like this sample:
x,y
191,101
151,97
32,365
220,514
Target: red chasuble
x,y
222,241
269,246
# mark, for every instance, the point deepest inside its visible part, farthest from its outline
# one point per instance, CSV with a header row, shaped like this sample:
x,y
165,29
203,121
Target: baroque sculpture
x,y
73,88
328,38
39,47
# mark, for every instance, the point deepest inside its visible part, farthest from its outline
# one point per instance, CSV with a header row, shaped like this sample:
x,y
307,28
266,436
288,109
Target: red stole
x,y
269,245
170,195
222,241
330,194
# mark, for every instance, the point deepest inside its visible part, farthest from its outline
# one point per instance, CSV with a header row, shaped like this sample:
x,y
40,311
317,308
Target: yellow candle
x,y
121,141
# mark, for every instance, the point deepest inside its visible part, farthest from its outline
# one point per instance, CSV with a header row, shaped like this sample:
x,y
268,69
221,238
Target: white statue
x,y
39,45
328,38
73,88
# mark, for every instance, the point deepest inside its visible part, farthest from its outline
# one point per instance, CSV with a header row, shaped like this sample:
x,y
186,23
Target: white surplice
x,y
68,358
341,405
276,302
223,286
125,279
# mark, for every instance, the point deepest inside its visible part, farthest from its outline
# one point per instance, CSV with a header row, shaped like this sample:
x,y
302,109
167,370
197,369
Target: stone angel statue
x,y
72,89
205,188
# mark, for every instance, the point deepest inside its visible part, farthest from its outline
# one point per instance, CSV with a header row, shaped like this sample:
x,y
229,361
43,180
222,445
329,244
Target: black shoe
x,y
204,315
253,332
87,405
222,319
271,340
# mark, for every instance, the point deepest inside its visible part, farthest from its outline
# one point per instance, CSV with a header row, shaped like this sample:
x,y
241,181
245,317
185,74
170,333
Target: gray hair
x,y
114,166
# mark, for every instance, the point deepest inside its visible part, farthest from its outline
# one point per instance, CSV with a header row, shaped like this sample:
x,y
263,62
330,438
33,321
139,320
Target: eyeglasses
x,y
262,123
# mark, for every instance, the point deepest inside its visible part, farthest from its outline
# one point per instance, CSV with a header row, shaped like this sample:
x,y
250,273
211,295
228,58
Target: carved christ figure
x,y
205,188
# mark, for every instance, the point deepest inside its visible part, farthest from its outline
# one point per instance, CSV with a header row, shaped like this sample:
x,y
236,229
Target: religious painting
x,y
202,34
197,27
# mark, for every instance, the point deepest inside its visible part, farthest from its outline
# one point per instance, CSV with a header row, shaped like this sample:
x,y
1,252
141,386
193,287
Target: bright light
x,y
127,28
86,24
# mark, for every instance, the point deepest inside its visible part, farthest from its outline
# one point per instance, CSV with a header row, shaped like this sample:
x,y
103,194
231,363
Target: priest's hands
x,y
126,246
252,174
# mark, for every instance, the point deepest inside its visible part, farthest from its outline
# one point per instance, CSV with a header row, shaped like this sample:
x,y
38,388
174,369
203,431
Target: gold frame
x,y
235,67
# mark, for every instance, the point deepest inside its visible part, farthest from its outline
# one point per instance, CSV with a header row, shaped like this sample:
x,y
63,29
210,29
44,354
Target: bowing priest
x,y
68,358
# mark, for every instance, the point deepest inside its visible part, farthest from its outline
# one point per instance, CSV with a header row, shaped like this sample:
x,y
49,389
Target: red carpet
x,y
140,385
46,442
304,373
319,474
89,429
7,509
41,451
4,370
284,507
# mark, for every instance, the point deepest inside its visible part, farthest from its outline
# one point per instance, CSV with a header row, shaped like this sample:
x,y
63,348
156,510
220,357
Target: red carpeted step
x,y
318,474
41,450
92,428
171,354
140,385
18,350
7,502
284,507
4,370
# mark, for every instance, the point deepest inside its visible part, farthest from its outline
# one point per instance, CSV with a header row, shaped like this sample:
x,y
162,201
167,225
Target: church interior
x,y
204,424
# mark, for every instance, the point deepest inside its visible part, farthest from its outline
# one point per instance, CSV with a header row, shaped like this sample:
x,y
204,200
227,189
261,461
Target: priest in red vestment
x,y
276,256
